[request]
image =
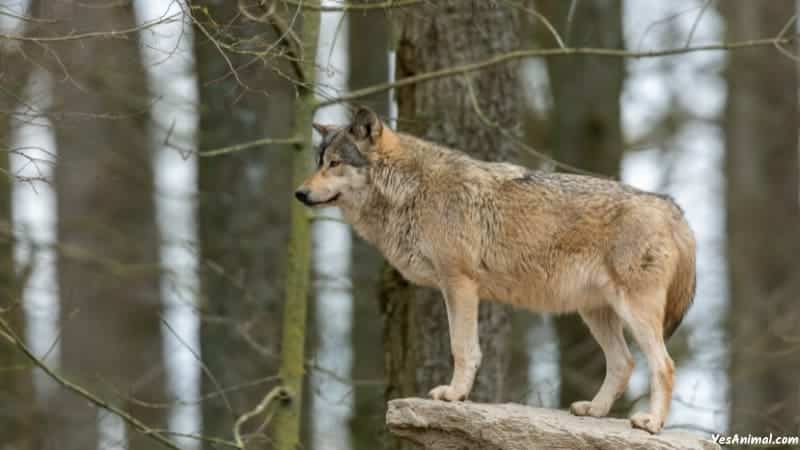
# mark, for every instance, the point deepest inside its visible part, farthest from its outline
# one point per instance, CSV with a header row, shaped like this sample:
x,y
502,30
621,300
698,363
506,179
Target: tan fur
x,y
547,242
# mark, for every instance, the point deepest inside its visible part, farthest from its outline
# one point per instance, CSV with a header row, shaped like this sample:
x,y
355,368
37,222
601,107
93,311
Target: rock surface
x,y
437,425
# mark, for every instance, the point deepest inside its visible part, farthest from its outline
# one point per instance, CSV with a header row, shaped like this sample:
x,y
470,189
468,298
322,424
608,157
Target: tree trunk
x,y
763,220
453,32
108,263
288,417
587,133
243,212
369,65
17,402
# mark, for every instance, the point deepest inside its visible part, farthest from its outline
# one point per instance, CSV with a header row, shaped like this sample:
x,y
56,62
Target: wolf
x,y
550,242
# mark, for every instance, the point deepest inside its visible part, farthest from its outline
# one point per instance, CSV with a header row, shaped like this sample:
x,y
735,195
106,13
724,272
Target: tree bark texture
x,y
763,219
431,37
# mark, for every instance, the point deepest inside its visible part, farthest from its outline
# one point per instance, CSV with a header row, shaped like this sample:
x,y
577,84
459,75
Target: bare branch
x,y
276,393
111,34
697,20
9,335
356,6
247,145
514,139
548,53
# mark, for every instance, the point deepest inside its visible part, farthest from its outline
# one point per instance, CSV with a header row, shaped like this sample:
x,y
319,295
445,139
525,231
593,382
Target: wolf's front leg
x,y
461,298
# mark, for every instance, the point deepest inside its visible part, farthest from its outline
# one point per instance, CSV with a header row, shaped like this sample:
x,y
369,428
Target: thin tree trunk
x,y
108,266
288,418
434,37
369,65
243,213
587,133
17,399
17,402
763,220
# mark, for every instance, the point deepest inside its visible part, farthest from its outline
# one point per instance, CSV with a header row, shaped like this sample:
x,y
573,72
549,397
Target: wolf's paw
x,y
586,408
448,393
647,422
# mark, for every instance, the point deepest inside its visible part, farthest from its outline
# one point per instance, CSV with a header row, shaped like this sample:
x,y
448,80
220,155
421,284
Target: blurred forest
x,y
160,288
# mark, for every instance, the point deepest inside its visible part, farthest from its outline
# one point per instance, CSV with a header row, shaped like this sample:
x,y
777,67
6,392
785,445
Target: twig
x,y
573,6
355,6
696,22
247,145
110,34
782,33
489,123
269,398
284,31
8,333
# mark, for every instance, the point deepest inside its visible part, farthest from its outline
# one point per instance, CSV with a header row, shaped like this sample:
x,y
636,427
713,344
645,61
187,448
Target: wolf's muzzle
x,y
302,195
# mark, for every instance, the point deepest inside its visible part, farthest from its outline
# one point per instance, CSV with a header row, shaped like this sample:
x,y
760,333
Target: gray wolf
x,y
548,242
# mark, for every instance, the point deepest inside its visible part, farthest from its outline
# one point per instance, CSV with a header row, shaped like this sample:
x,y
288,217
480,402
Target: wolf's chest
x,y
404,251
413,265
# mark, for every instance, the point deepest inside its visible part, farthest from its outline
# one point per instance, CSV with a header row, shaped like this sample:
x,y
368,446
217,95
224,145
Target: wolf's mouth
x,y
325,202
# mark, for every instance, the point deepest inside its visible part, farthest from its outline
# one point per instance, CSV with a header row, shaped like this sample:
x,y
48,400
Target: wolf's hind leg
x,y
461,297
606,327
644,315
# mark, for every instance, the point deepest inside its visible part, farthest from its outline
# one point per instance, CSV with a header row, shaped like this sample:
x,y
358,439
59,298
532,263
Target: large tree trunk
x,y
243,213
763,220
587,134
369,65
108,263
453,32
16,387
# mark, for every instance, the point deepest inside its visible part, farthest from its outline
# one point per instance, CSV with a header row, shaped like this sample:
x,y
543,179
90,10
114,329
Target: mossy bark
x,y
295,310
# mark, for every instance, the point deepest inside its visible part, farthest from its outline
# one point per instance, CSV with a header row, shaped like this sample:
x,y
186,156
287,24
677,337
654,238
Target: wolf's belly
x,y
567,291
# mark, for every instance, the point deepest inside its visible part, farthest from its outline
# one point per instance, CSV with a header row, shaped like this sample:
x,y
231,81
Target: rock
x,y
438,425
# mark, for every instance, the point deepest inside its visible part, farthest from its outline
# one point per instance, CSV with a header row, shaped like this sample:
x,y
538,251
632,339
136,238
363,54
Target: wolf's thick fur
x,y
544,241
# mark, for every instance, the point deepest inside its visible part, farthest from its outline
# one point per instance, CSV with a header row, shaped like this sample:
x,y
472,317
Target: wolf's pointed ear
x,y
322,129
366,124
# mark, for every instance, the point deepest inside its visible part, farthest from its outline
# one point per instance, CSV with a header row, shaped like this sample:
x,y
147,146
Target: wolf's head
x,y
343,159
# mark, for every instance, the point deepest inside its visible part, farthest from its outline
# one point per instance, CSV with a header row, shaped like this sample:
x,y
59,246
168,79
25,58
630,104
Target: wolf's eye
x,y
335,163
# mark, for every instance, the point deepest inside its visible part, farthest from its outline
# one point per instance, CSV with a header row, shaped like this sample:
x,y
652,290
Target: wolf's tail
x,y
680,294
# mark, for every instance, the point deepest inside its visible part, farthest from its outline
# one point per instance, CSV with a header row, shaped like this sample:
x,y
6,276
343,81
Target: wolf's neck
x,y
393,188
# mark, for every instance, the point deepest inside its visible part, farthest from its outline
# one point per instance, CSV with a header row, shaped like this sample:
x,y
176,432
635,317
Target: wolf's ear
x,y
366,124
322,129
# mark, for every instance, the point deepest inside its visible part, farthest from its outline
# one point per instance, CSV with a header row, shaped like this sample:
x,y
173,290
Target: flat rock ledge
x,y
437,425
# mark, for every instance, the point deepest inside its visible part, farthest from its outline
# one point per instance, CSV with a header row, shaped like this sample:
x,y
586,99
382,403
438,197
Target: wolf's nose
x,y
302,195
